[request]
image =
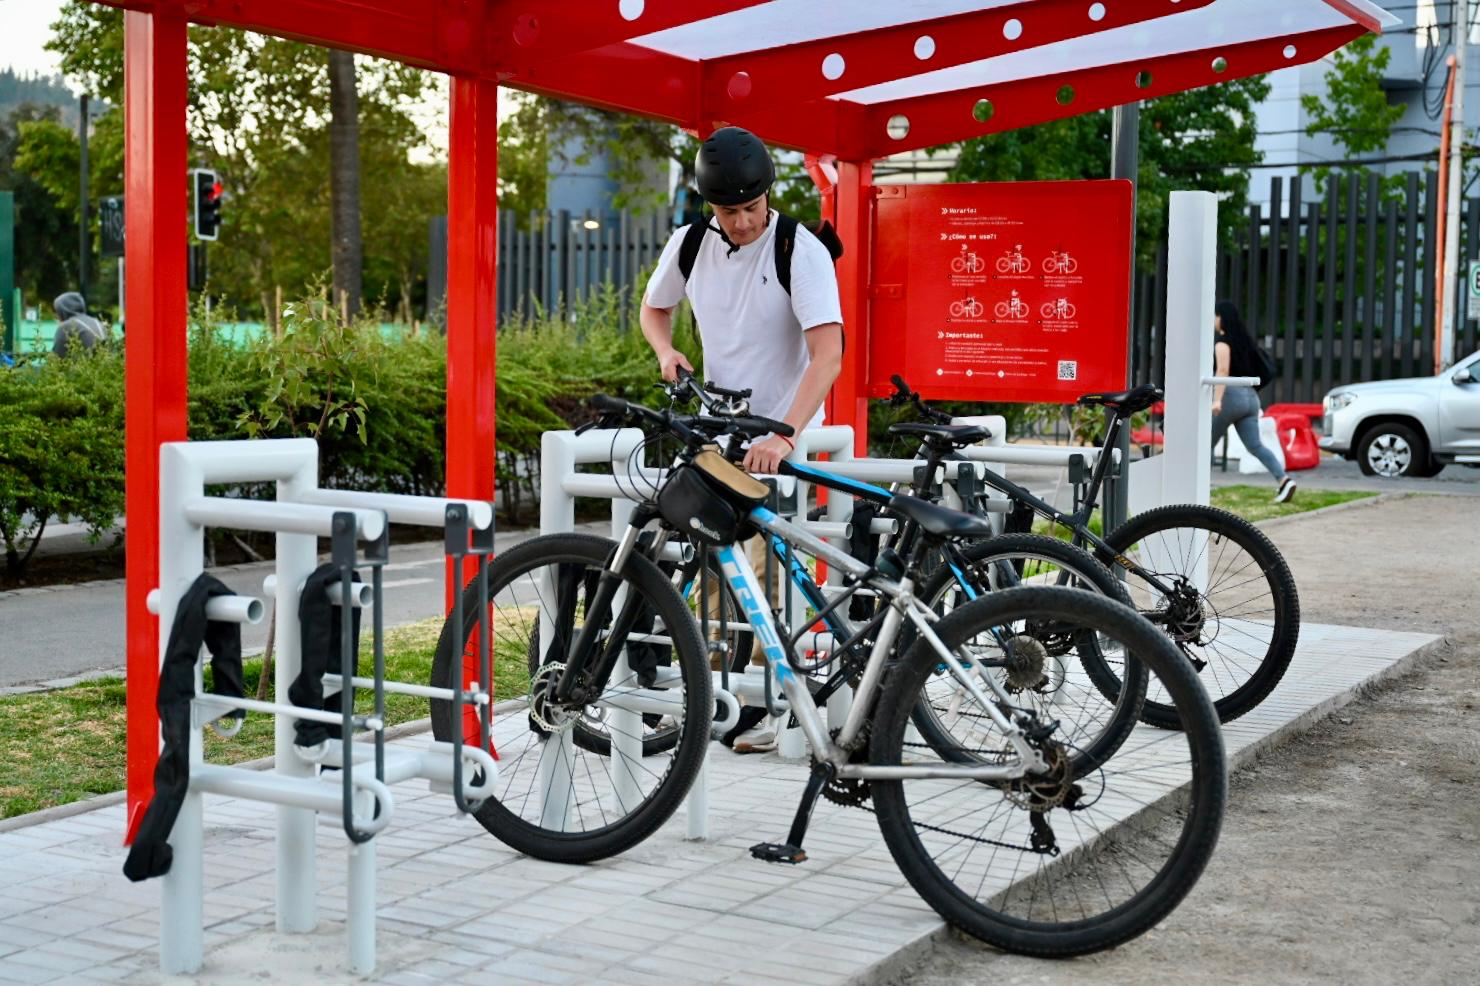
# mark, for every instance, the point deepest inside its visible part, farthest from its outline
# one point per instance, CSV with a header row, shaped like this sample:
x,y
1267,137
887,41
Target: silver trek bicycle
x,y
1046,824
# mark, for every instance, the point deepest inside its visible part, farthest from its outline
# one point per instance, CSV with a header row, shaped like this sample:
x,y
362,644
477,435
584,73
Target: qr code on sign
x,y
1068,369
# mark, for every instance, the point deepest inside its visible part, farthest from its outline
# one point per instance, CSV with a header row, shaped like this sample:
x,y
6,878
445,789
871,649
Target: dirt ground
x,y
1352,854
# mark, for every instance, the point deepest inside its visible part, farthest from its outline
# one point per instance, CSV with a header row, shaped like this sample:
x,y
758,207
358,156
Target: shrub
x,y
61,447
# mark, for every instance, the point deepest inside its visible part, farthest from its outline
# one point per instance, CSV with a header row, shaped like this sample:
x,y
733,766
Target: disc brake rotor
x,y
542,711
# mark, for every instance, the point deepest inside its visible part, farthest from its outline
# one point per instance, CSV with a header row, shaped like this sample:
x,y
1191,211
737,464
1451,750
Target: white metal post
x,y
1191,289
181,552
360,894
297,866
623,724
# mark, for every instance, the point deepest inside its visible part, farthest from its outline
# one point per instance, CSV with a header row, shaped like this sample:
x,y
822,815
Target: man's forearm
x,y
657,328
811,392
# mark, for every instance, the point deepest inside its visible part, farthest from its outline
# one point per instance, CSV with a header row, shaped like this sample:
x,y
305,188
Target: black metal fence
x,y
1338,290
550,259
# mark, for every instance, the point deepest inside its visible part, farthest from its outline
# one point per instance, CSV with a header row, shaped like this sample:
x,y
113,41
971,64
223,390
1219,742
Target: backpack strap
x,y
688,250
786,241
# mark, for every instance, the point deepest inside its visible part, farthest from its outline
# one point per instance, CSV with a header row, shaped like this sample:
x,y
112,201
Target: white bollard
x,y
1191,293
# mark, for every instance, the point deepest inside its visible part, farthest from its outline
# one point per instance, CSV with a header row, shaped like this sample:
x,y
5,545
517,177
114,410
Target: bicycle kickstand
x,y
791,850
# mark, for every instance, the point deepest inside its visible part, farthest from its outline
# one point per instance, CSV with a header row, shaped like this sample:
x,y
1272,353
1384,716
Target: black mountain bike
x,y
1212,580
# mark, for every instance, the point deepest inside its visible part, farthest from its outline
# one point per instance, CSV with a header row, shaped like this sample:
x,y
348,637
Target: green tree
x,y
542,132
1197,140
1354,109
45,232
259,113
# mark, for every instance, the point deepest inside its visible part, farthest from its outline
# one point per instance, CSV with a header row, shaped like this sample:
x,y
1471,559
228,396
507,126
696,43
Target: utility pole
x,y
1444,355
82,248
1125,162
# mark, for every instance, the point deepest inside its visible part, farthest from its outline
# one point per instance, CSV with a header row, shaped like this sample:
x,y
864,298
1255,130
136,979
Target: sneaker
x,y
1286,492
758,739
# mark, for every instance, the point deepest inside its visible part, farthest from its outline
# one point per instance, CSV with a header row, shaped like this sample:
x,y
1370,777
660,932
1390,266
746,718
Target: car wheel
x,y
1392,450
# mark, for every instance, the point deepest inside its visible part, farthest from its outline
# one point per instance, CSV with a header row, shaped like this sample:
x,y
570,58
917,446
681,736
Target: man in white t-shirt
x,y
785,348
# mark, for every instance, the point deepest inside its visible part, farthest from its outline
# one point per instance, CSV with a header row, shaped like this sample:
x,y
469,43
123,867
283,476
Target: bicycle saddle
x,y
1126,401
939,521
957,435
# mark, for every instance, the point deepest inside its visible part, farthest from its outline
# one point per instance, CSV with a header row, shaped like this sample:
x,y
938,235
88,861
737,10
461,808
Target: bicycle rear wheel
x,y
556,798
1233,609
1057,862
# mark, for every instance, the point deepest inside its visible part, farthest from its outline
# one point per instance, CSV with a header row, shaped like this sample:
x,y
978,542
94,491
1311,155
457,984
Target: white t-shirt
x,y
751,331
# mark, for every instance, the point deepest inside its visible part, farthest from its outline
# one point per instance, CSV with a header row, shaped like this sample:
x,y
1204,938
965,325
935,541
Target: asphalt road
x,y
54,634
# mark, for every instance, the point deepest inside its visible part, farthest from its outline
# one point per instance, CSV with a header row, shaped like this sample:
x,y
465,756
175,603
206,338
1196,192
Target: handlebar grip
x,y
606,404
777,427
899,383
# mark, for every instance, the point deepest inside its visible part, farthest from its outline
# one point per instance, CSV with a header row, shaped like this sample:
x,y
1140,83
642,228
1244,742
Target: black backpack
x,y
1268,368
786,237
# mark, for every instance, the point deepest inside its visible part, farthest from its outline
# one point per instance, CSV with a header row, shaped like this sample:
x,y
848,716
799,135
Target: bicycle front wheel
x,y
1231,607
1057,861
560,796
1057,670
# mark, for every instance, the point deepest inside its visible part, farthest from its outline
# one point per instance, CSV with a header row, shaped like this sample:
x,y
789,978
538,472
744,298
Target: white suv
x,y
1410,427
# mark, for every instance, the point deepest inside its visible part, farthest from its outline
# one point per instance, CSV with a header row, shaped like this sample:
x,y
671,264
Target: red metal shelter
x,y
847,81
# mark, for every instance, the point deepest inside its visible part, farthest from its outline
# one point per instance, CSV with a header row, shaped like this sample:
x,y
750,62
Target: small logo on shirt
x,y
764,279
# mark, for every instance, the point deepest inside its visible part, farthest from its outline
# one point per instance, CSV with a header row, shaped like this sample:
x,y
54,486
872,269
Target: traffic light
x,y
208,196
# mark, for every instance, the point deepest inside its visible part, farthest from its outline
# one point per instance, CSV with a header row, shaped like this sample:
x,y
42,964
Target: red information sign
x,y
1014,291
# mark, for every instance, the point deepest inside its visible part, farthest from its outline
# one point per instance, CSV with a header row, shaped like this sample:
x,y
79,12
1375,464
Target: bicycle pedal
x,y
779,852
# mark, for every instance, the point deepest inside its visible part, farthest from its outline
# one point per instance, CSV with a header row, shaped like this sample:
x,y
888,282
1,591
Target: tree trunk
x,y
344,172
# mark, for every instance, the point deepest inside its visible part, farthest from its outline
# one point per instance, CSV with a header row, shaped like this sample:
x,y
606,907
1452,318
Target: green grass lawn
x,y
1256,503
69,744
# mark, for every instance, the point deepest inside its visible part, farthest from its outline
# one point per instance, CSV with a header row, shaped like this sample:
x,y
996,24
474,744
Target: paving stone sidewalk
x,y
456,906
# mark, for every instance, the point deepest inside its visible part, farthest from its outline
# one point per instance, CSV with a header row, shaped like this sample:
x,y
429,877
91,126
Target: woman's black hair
x,y
1240,343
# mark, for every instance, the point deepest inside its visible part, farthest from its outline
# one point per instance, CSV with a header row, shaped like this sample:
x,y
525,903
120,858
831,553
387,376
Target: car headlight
x,y
1335,402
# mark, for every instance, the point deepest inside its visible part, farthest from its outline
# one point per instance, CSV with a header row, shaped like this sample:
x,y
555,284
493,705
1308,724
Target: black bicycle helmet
x,y
733,167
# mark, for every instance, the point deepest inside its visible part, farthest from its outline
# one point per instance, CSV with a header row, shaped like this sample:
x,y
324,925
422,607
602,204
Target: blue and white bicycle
x,y
1043,827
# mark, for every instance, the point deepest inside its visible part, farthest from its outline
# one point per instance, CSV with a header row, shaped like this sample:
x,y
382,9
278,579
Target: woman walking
x,y
1234,355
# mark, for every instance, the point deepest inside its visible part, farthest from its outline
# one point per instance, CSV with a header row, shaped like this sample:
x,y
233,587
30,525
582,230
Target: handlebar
x,y
730,402
904,395
691,427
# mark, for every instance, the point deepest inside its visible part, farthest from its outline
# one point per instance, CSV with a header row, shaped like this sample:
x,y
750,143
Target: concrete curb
x,y
893,967
1366,501
262,763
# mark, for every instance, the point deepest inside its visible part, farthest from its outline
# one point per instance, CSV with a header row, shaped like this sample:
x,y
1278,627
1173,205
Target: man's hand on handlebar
x,y
670,362
765,456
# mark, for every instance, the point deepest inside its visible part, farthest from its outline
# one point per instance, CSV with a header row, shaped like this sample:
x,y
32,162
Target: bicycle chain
x,y
1047,851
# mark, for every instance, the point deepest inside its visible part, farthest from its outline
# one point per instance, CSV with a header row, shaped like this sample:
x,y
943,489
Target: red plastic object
x,y
1311,411
1009,291
1147,436
1297,439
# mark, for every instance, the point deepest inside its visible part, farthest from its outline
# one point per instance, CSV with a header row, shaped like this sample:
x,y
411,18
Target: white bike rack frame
x,y
301,514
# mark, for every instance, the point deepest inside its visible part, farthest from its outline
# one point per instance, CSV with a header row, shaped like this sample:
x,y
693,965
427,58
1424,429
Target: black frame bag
x,y
709,498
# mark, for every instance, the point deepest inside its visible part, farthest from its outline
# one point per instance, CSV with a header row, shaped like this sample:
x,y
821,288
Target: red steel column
x,y
472,340
472,259
155,187
848,404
